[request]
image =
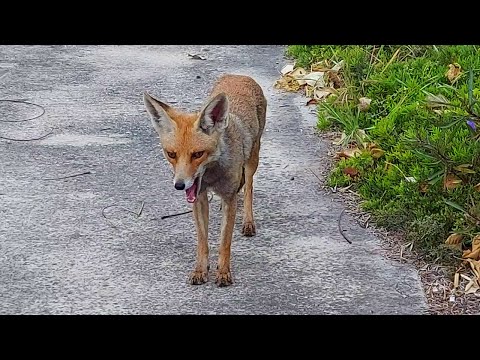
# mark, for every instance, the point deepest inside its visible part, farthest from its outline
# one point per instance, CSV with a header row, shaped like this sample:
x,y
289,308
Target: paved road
x,y
59,255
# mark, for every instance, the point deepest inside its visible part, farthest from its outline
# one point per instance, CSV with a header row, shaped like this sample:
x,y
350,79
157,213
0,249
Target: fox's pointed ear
x,y
158,113
214,115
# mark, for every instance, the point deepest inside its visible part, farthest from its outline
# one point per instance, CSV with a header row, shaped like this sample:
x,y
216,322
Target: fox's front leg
x,y
229,210
200,213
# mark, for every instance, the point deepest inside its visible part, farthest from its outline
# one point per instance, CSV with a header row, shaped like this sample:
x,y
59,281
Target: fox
x,y
215,149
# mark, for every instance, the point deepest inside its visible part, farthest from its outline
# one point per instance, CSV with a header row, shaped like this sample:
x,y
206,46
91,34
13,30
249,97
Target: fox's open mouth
x,y
192,191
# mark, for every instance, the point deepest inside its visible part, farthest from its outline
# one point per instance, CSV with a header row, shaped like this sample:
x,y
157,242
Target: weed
x,y
427,122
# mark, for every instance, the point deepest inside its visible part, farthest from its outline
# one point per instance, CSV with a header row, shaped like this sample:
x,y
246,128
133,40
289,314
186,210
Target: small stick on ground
x,y
315,175
137,214
105,217
367,221
105,208
340,227
210,198
32,139
69,176
24,102
141,209
177,214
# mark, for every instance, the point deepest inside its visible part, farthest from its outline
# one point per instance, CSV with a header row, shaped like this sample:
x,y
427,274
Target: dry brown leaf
x,y
298,74
321,93
476,243
456,281
338,65
339,140
348,153
287,83
470,254
465,168
371,145
287,69
308,91
293,79
436,101
361,135
335,80
319,66
451,182
475,265
345,188
471,287
477,187
312,102
315,79
454,71
474,253
455,241
377,152
351,171
423,188
364,103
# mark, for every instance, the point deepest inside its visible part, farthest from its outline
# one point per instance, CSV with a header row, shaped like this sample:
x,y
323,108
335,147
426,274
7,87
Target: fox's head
x,y
190,141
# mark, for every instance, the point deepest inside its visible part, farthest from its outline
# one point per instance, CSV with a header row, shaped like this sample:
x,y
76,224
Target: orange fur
x,y
218,149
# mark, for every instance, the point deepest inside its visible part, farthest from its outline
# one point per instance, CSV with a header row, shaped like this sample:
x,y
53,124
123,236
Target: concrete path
x,y
58,253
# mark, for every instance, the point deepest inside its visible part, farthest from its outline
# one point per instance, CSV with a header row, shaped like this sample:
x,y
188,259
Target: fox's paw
x,y
198,277
223,278
249,229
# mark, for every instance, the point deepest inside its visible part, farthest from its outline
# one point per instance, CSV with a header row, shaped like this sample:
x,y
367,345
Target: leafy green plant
x,y
348,118
424,115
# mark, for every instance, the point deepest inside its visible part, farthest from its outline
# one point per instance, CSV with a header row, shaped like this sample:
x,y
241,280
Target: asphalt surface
x,y
76,245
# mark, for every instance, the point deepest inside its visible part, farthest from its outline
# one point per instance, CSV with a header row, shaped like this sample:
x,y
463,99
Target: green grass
x,y
404,188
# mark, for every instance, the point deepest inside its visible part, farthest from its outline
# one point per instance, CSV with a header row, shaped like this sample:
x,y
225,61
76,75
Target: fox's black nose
x,y
180,185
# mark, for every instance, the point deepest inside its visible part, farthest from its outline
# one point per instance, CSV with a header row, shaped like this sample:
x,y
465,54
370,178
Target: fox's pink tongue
x,y
192,193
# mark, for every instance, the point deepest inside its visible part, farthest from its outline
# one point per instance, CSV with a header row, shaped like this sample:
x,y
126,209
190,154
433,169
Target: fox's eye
x,y
197,155
171,154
